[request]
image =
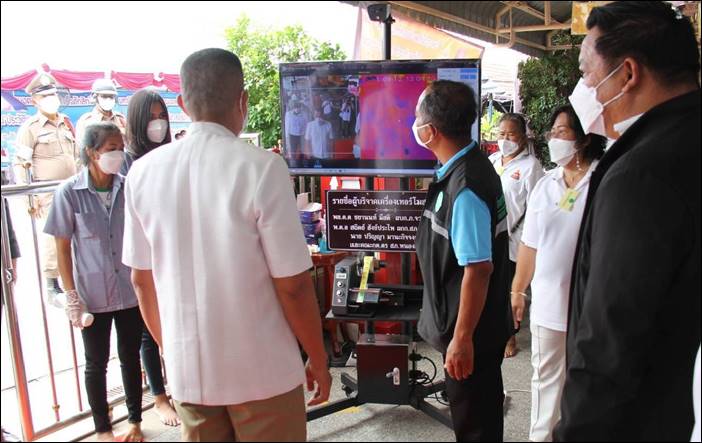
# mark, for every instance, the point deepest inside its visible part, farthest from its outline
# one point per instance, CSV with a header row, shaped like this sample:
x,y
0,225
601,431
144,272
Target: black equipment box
x,y
383,369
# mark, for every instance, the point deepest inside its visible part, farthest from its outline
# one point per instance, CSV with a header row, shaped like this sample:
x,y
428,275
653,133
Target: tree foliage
x,y
546,84
489,127
260,51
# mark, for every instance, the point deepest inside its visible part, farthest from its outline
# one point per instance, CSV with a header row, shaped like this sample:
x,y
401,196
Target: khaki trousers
x,y
49,261
280,418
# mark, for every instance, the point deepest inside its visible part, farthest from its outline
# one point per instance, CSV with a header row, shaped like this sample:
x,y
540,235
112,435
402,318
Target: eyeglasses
x,y
559,133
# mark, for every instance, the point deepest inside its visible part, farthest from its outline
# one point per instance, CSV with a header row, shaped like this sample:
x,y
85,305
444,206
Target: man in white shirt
x,y
318,136
220,268
295,126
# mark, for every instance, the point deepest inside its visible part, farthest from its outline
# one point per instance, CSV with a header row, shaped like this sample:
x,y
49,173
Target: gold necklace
x,y
573,180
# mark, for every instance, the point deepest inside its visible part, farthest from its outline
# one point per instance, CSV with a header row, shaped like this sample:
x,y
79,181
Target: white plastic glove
x,y
75,310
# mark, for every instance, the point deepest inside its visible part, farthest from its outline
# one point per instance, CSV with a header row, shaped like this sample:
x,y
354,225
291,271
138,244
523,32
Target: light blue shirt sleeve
x,y
471,234
61,219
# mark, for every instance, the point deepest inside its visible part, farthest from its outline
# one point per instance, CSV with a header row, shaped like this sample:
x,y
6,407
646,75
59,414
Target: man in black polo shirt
x,y
634,324
462,250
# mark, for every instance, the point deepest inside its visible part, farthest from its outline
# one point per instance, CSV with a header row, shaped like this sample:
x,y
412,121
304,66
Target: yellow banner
x,y
410,40
580,13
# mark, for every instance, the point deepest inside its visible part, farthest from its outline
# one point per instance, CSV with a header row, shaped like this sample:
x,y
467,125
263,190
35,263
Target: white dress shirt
x,y
214,218
518,179
319,134
553,232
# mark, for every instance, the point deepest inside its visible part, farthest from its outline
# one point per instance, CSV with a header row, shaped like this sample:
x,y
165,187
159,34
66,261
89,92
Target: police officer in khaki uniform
x,y
104,94
46,146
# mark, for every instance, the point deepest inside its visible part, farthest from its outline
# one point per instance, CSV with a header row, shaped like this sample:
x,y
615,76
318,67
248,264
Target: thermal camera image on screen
x,y
356,117
390,99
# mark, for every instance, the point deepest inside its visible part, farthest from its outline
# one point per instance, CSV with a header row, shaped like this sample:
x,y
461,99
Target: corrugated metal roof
x,y
443,14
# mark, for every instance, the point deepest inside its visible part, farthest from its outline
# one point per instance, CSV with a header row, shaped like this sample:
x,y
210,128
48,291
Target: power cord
x,y
429,381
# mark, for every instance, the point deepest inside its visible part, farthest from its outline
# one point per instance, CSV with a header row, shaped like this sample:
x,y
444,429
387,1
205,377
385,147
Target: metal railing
x,y
10,311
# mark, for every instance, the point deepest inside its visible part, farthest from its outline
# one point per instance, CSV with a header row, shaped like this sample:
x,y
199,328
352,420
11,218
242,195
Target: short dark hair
x,y
95,136
211,80
594,144
516,118
138,118
650,32
451,107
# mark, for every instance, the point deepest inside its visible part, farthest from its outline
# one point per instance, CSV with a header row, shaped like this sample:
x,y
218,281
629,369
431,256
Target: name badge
x,y
568,200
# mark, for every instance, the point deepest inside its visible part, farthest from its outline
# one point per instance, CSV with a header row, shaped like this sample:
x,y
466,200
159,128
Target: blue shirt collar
x,y
444,168
83,181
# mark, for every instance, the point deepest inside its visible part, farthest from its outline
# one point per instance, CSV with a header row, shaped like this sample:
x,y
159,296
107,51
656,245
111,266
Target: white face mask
x,y
111,162
507,147
588,109
49,104
106,104
415,131
561,151
156,130
246,116
246,122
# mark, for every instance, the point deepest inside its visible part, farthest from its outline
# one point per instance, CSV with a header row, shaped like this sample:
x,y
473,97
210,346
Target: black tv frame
x,y
367,168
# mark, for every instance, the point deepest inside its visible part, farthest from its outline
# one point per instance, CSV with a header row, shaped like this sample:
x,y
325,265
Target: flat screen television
x,y
355,118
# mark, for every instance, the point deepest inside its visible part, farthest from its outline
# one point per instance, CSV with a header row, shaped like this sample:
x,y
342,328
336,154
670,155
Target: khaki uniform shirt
x,y
53,147
96,116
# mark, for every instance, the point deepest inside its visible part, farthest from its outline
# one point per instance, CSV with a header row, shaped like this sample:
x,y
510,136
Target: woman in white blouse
x,y
545,260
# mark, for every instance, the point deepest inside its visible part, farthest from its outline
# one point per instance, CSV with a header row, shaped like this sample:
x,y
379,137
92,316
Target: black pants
x,y
346,128
96,340
295,148
511,271
151,359
477,403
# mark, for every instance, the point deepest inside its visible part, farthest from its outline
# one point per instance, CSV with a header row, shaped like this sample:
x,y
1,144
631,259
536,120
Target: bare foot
x,y
511,348
133,433
105,436
165,411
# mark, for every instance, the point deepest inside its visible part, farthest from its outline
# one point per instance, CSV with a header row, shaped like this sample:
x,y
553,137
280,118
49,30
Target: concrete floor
x,y
376,423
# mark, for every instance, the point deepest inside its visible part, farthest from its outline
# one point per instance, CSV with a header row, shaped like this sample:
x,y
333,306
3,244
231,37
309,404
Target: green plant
x,y
546,84
260,52
489,126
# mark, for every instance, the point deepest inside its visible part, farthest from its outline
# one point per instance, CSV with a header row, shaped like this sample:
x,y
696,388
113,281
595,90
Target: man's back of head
x,y
451,107
212,84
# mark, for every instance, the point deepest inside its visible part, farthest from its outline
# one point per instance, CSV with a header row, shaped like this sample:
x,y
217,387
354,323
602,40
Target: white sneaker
x,y
55,299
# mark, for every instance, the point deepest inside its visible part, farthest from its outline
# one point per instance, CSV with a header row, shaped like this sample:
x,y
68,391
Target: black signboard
x,y
373,220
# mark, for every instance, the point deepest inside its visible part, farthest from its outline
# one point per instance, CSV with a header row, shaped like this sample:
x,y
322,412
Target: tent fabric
x,y
18,82
134,81
83,81
171,81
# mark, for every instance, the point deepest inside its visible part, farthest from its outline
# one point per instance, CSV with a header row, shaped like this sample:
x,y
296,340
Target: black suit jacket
x,y
634,316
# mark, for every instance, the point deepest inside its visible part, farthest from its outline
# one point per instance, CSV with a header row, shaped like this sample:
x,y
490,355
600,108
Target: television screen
x,y
355,118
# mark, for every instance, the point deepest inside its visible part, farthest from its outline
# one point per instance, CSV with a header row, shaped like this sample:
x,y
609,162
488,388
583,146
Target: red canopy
x,y
19,82
82,81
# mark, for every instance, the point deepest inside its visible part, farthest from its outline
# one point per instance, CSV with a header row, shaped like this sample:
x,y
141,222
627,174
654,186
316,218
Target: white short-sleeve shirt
x,y
215,219
553,232
518,179
319,134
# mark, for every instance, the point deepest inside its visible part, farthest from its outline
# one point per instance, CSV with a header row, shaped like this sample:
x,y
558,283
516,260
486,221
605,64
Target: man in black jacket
x,y
462,251
634,325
